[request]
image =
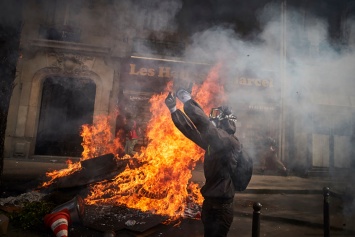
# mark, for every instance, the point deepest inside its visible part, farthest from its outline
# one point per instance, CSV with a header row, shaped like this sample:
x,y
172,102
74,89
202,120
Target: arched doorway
x,y
67,103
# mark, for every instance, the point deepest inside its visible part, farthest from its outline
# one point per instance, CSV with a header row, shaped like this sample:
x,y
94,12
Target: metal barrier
x,y
326,220
326,223
256,219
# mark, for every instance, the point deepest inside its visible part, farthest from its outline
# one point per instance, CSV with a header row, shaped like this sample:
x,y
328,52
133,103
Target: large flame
x,y
161,183
97,140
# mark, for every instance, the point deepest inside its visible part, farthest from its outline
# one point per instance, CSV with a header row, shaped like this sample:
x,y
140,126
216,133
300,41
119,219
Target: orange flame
x,y
56,174
97,140
162,183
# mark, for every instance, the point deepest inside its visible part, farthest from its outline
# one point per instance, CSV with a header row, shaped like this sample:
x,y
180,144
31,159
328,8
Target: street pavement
x,y
291,206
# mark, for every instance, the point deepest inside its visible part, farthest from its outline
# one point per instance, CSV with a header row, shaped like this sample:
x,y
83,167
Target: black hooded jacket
x,y
219,147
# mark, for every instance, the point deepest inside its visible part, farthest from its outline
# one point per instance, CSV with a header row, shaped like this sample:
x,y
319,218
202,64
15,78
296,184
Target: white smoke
x,y
315,72
316,79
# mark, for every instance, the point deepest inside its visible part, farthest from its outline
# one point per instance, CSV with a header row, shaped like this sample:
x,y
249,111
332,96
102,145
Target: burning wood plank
x,y
92,170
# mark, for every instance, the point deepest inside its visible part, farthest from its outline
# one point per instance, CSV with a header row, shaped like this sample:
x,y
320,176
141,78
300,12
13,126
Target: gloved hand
x,y
170,102
184,91
183,95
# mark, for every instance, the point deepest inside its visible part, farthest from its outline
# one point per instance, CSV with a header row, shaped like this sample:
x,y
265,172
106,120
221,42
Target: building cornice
x,y
63,46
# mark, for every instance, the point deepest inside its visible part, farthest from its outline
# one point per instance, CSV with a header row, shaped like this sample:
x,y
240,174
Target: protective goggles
x,y
216,113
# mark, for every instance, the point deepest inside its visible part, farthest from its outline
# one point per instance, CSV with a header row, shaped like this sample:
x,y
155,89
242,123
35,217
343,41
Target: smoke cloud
x,y
315,76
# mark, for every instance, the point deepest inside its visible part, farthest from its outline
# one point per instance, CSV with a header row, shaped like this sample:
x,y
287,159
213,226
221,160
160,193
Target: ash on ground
x,y
116,218
32,196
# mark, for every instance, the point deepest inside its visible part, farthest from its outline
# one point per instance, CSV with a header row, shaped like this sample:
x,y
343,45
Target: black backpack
x,y
241,170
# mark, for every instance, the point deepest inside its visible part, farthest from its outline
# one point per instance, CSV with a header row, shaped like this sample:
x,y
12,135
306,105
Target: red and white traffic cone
x,y
58,222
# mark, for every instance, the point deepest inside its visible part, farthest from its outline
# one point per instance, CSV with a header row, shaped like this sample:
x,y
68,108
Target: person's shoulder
x,y
235,137
236,142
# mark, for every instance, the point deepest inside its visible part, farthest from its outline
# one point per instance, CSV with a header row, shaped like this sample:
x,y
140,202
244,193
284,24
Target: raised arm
x,y
183,123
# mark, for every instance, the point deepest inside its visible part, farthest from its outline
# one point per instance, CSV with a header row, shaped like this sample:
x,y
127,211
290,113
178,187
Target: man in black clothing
x,y
220,144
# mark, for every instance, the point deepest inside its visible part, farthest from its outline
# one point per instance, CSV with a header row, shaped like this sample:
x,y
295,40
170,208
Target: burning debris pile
x,y
156,181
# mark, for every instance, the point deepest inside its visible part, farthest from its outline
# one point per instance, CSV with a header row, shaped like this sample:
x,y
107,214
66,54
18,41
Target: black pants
x,y
216,218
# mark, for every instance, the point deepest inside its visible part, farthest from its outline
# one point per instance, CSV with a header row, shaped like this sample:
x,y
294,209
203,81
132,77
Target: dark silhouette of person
x,y
220,144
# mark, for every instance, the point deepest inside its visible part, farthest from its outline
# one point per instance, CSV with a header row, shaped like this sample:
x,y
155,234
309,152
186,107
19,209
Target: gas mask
x,y
223,118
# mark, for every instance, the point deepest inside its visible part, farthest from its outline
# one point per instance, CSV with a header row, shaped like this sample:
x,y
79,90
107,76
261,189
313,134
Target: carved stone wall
x,y
26,103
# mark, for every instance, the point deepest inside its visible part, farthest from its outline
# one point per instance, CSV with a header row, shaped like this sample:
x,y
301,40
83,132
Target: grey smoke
x,y
157,16
316,73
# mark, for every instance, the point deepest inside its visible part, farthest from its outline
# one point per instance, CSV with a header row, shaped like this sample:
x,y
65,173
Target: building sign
x,y
261,87
146,77
152,76
162,71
